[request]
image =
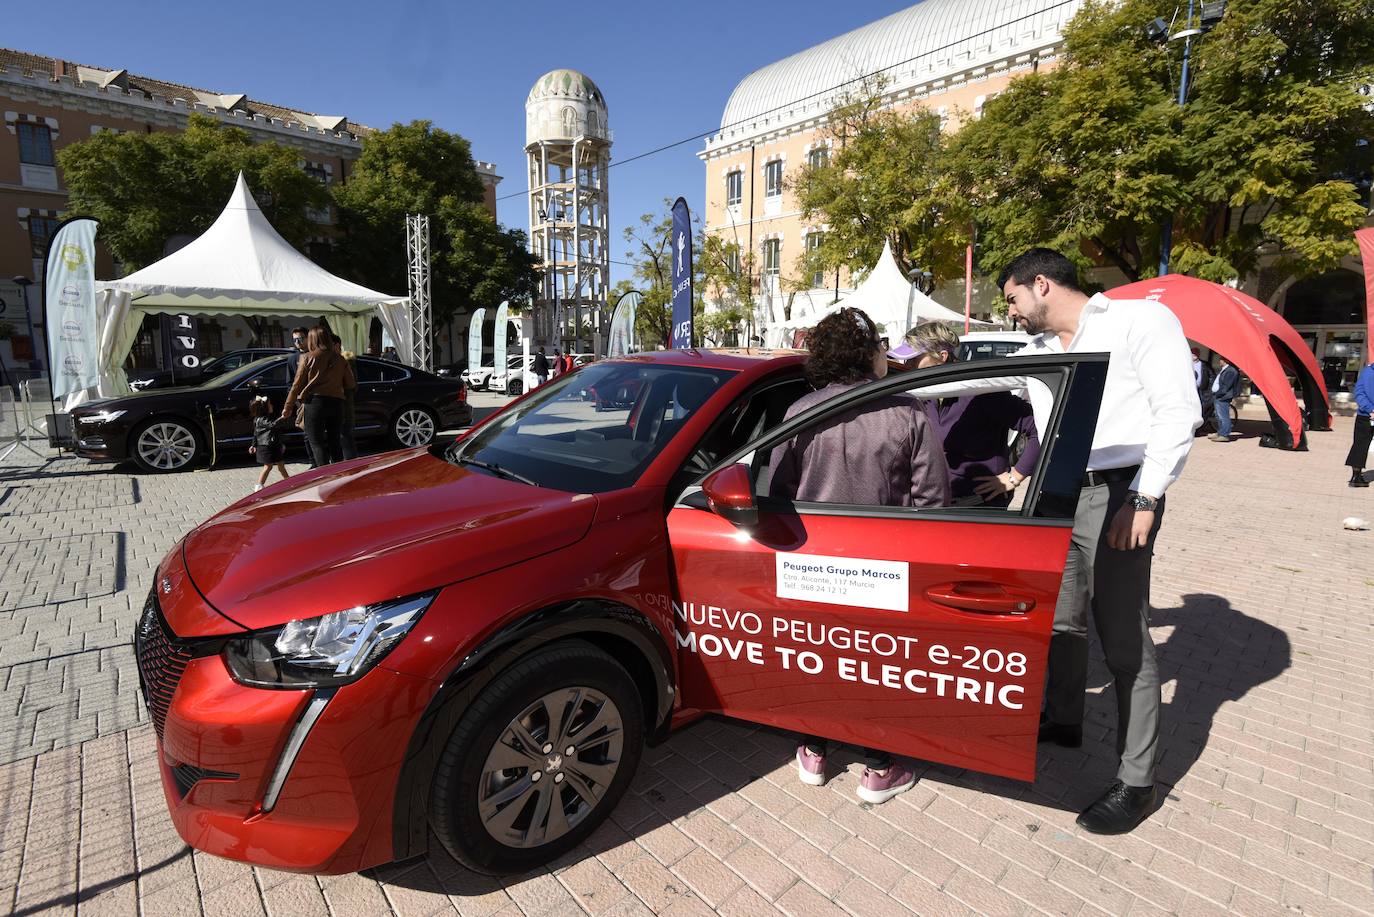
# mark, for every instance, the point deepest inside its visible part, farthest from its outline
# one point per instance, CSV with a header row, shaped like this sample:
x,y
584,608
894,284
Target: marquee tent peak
x,y
1255,338
242,264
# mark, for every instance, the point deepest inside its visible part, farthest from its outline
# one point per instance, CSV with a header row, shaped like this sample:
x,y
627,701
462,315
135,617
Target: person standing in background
x,y
1364,417
1225,388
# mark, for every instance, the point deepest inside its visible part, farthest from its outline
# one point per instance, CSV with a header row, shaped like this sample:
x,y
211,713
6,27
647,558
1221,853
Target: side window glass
x,y
393,373
278,376
971,445
367,371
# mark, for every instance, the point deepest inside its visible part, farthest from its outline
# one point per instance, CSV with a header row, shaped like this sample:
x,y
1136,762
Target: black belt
x,y
1110,476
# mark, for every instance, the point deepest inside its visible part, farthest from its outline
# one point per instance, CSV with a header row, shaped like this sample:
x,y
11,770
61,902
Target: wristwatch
x,y
1139,501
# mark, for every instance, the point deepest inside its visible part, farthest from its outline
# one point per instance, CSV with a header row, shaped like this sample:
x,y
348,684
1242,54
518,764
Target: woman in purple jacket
x,y
974,428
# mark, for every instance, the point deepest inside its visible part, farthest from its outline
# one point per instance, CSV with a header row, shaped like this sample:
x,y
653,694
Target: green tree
x,y
145,188
1093,156
884,181
713,273
418,168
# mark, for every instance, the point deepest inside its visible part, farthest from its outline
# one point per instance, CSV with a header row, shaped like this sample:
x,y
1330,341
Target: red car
x,y
479,639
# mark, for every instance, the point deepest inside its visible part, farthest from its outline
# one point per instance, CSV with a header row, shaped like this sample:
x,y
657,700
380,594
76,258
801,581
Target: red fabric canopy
x,y
1254,337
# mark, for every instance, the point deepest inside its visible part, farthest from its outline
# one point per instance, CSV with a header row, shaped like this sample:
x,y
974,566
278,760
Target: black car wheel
x,y
539,760
165,444
515,387
414,426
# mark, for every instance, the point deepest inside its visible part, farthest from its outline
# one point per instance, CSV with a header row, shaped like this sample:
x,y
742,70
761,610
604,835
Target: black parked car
x,y
140,380
172,429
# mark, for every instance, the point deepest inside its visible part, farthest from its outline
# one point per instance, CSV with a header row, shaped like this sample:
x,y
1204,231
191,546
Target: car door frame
x,y
1051,504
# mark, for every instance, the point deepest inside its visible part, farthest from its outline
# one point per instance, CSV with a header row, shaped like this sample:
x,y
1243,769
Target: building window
x,y
40,234
35,144
818,157
211,338
813,242
772,178
734,188
772,256
732,260
318,171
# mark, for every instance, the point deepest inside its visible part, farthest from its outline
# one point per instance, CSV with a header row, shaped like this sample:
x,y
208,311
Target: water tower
x,y
568,146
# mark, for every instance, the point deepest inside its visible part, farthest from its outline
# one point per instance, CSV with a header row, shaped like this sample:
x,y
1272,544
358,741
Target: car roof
x,y
732,358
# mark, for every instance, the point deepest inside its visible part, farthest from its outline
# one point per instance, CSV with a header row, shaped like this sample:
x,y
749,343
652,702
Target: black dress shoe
x,y
1119,809
1060,734
1358,481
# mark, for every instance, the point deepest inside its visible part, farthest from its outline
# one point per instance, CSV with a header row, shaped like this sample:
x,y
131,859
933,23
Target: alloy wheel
x,y
166,446
550,767
414,427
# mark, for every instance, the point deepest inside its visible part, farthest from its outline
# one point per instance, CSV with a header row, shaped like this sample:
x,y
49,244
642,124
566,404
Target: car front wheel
x,y
165,444
516,387
539,760
414,426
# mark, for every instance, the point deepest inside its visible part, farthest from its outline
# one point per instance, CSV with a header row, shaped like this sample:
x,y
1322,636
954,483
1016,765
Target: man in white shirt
x,y
1144,431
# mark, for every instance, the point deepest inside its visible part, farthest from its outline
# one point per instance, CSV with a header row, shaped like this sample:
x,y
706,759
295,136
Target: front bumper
x,y
101,442
220,743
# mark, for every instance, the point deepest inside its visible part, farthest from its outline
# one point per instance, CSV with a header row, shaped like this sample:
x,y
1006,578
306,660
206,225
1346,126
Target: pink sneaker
x,y
875,787
810,767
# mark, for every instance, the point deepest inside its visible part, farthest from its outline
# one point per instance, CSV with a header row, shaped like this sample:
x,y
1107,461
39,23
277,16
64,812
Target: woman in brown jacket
x,y
321,380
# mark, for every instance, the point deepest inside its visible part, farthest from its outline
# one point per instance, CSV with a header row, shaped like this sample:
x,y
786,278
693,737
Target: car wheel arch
x,y
624,633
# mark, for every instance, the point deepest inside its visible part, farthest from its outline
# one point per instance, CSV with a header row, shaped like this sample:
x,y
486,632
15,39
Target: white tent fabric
x,y
240,265
889,298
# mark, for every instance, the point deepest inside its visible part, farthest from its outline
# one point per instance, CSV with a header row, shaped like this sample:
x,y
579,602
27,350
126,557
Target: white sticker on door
x,y
853,581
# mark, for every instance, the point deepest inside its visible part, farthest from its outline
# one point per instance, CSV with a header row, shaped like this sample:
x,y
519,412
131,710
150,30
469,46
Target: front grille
x,y
162,659
188,775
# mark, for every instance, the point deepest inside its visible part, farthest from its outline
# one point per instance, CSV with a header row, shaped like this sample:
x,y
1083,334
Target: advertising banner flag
x,y
498,338
183,335
475,339
682,274
69,307
1366,239
623,325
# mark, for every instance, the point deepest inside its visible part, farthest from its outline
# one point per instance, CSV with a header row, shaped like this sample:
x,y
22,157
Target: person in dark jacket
x,y
882,453
975,429
348,446
1364,432
1225,387
320,383
268,447
541,366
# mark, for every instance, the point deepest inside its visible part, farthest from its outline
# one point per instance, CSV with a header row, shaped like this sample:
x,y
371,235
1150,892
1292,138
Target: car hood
x,y
403,523
130,401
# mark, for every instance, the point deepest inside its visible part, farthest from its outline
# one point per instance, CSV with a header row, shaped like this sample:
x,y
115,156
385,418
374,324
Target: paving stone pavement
x,y
1263,610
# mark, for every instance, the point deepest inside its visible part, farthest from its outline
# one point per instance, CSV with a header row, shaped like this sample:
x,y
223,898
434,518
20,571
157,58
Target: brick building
x,y
48,103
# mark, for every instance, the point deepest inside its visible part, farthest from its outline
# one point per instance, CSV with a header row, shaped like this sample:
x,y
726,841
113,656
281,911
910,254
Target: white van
x,y
984,345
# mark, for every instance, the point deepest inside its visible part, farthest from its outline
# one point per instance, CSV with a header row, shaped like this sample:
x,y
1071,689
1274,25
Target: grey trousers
x,y
1116,585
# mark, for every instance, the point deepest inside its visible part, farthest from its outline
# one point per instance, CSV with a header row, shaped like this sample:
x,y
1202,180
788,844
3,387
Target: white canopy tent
x,y
889,298
240,265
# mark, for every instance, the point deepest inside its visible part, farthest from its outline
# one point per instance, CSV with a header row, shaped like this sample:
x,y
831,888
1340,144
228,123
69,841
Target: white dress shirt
x,y
1149,404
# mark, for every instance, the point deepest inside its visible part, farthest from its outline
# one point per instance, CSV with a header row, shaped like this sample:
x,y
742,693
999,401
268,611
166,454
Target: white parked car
x,y
479,378
984,345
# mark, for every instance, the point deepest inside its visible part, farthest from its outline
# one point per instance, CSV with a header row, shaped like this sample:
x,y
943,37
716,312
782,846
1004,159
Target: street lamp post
x,y
1158,30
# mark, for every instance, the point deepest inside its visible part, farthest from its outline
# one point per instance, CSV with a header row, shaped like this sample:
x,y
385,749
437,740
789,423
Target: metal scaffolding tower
x,y
568,147
420,311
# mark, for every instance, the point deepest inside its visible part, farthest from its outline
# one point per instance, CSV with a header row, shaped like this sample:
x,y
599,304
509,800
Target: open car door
x,y
920,631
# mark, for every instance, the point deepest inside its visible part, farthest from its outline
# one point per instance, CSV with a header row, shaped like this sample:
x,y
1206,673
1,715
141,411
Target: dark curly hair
x,y
841,346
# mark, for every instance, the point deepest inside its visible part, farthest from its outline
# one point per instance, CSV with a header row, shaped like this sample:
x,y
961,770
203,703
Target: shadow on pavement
x,y
1215,655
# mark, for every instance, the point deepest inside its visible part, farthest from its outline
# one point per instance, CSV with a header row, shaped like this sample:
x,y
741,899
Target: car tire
x,y
166,444
414,425
516,387
501,773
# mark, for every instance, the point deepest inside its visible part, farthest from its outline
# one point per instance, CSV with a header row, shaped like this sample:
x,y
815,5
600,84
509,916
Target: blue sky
x,y
666,70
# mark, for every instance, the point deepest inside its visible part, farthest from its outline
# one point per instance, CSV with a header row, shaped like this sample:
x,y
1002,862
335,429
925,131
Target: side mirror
x,y
729,492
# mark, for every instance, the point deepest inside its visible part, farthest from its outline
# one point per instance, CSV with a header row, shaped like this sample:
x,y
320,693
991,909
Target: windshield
x,y
592,431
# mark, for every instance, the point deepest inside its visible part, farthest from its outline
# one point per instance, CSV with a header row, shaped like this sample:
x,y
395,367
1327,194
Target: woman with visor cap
x,y
975,429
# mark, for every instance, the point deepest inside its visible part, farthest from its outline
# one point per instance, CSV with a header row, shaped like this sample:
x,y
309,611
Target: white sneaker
x,y
257,487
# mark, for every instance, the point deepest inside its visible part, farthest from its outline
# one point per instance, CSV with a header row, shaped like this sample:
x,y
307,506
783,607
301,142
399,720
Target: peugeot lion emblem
x,y
166,586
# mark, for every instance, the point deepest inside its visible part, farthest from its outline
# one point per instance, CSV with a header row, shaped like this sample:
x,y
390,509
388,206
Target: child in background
x,y
267,441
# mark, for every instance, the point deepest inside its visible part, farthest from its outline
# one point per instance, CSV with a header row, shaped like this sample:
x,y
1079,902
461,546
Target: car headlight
x,y
103,416
330,650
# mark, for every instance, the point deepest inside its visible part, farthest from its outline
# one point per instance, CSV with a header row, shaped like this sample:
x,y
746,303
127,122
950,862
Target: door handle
x,y
980,597
382,388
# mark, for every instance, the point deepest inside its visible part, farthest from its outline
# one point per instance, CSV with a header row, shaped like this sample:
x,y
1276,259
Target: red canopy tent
x,y
1253,337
